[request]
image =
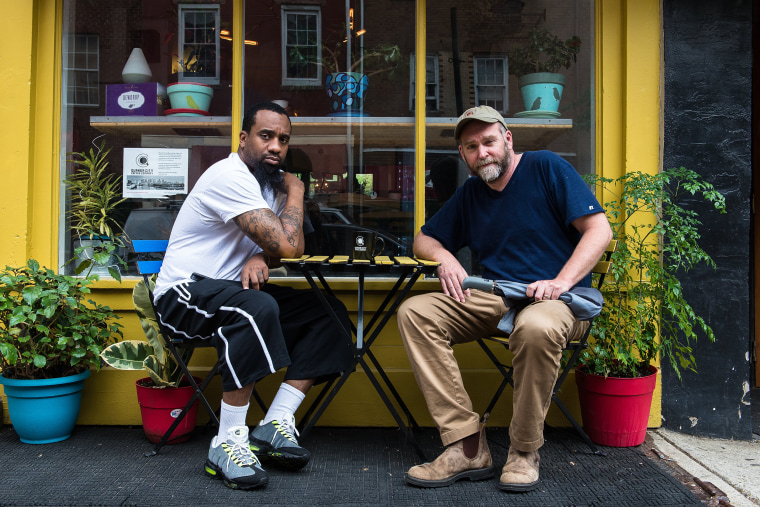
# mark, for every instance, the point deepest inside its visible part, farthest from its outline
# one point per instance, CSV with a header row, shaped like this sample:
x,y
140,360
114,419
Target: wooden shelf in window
x,y
164,125
383,132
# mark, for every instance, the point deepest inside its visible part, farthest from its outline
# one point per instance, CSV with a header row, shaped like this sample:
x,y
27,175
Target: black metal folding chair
x,y
572,353
149,261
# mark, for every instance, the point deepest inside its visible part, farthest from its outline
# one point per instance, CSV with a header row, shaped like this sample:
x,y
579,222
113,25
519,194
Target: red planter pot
x,y
615,410
160,407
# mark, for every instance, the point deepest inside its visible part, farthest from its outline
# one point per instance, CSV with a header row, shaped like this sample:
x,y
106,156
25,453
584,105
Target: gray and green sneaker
x,y
276,441
233,461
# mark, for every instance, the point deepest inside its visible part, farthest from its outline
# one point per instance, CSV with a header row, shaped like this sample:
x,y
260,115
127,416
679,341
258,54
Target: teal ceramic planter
x,y
190,96
45,410
542,91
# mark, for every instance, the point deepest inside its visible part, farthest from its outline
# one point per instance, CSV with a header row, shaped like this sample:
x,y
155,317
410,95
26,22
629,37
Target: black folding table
x,y
406,271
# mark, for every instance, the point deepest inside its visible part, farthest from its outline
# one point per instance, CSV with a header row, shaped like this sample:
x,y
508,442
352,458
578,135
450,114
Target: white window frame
x,y
431,64
73,73
303,10
504,86
184,9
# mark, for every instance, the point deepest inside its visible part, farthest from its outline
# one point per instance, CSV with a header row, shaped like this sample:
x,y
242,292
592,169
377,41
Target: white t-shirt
x,y
205,238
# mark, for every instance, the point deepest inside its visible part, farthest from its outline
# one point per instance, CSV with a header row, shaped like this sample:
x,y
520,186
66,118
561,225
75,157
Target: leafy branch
x,y
646,313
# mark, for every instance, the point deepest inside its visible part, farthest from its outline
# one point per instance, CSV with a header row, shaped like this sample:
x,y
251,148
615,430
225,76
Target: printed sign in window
x,y
154,173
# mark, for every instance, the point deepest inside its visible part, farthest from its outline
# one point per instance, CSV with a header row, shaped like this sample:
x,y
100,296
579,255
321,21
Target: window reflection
x,y
481,49
345,72
178,42
342,71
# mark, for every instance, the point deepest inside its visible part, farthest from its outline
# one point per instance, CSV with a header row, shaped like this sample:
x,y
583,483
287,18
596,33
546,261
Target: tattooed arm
x,y
279,236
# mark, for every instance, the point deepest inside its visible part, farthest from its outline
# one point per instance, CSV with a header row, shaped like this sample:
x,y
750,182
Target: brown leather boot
x,y
452,465
520,473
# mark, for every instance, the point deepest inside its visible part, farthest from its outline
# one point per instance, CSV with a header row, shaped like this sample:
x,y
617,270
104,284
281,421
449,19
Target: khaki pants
x,y
431,323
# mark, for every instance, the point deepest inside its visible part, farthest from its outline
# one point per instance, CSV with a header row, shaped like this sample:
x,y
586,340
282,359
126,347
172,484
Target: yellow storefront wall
x,y
628,137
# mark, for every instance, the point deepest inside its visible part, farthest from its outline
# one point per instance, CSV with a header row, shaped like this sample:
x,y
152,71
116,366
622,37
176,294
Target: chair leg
x,y
259,400
506,372
577,426
197,395
167,435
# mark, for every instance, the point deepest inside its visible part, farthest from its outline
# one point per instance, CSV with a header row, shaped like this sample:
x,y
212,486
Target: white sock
x,y
285,403
229,417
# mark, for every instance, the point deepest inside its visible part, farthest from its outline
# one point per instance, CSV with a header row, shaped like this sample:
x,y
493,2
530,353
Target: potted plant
x,y
347,86
50,337
164,392
95,197
192,94
536,64
645,315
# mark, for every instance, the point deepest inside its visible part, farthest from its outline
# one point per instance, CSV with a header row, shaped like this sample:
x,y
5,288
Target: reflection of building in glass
x,y
174,183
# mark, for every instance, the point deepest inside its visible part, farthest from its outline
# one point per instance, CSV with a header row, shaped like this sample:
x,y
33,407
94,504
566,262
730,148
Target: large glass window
x,y
353,130
484,48
178,42
346,76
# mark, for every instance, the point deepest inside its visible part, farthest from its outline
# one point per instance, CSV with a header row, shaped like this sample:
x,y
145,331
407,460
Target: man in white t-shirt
x,y
243,215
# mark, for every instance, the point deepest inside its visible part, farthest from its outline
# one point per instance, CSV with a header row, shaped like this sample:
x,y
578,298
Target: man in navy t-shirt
x,y
528,218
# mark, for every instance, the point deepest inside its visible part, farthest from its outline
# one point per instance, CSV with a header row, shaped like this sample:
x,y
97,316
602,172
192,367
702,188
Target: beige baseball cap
x,y
483,113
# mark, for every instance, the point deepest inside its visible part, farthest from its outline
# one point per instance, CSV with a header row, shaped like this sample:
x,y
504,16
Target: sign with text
x,y
153,173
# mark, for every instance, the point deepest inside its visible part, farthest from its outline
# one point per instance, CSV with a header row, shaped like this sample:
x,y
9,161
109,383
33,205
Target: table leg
x,y
401,424
361,348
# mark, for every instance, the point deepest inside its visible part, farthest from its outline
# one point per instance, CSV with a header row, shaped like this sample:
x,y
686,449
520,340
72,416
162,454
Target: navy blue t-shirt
x,y
524,232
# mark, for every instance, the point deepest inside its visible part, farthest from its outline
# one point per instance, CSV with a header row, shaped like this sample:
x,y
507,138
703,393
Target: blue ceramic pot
x,y
45,410
347,91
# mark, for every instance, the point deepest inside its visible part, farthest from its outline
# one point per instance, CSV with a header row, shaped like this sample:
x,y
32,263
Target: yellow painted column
x,y
238,35
29,140
628,63
419,116
46,134
628,99
17,29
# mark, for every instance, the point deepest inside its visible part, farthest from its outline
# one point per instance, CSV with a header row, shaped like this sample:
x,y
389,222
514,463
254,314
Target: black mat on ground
x,y
349,467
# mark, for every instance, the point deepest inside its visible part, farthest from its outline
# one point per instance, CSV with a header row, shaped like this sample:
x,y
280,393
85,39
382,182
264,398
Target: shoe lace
x,y
288,429
239,453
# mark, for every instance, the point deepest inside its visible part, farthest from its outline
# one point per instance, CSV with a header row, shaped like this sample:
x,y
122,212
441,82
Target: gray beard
x,y
492,174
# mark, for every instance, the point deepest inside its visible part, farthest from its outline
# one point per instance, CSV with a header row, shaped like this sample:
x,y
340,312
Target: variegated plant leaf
x,y
127,355
157,372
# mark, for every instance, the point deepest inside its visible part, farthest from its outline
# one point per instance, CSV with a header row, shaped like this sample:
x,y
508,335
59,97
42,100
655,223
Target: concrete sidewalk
x,y
733,467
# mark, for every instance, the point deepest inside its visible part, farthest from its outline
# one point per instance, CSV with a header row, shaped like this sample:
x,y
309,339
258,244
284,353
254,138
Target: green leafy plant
x,y
201,60
95,197
646,313
543,52
377,59
48,328
150,356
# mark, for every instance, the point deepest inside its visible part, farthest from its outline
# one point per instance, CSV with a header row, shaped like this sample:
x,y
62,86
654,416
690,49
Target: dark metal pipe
x,y
457,73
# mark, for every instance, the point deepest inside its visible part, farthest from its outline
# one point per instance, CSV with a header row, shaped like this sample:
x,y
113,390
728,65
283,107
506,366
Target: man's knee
x,y
413,308
537,334
258,303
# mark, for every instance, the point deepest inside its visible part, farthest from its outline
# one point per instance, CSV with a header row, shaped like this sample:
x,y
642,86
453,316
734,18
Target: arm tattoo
x,y
265,228
292,218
